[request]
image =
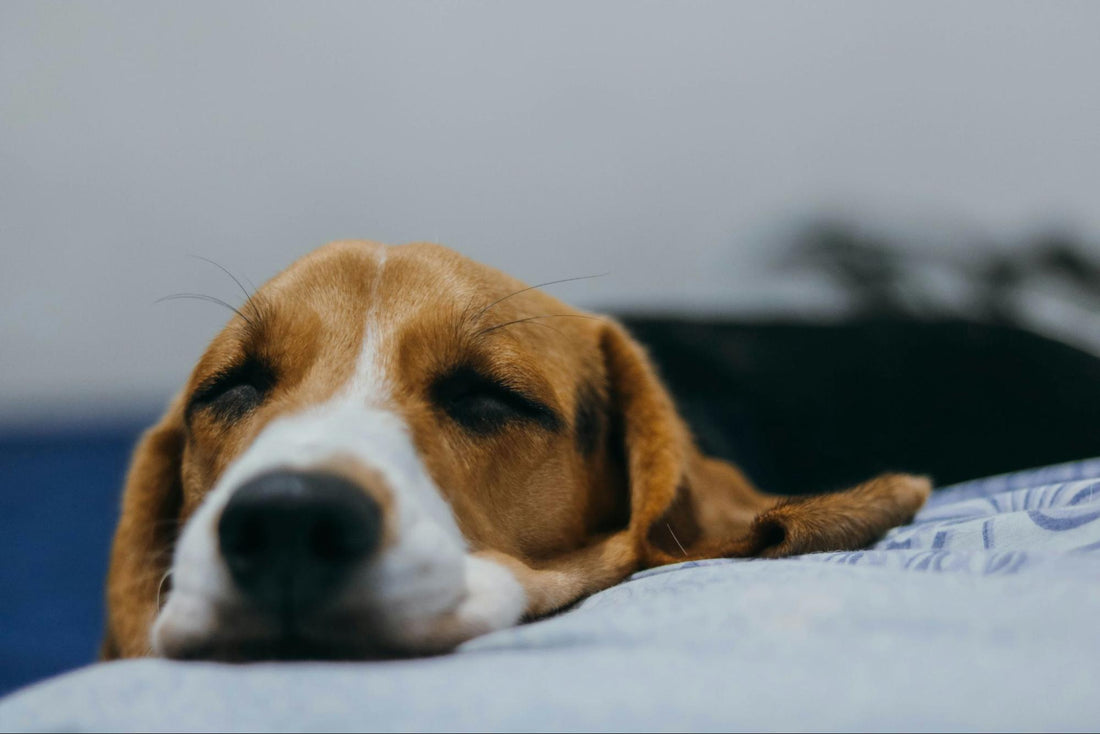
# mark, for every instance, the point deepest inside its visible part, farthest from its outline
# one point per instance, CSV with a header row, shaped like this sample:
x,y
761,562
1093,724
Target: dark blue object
x,y
59,499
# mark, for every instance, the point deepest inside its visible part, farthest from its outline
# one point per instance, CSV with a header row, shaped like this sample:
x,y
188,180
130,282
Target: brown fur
x,y
619,486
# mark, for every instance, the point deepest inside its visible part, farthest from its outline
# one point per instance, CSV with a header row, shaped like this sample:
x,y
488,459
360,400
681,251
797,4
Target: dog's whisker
x,y
155,568
160,587
247,296
485,309
209,299
531,319
678,543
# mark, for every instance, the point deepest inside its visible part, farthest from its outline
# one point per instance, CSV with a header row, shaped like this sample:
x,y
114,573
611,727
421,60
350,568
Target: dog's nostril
x,y
245,539
334,540
291,538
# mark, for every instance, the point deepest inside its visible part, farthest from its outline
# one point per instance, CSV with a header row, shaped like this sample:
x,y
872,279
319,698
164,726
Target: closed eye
x,y
230,395
483,405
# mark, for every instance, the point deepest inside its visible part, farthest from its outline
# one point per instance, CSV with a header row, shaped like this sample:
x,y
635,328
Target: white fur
x,y
424,592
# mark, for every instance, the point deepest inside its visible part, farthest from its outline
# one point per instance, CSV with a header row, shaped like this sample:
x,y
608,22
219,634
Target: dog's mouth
x,y
249,635
288,646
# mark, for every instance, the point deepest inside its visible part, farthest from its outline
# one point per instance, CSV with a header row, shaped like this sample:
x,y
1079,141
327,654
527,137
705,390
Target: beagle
x,y
392,450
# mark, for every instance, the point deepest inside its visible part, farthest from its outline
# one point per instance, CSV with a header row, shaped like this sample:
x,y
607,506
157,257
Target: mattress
x,y
981,614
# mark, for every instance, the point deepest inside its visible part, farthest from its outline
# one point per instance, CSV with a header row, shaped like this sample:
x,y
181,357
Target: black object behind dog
x,y
806,407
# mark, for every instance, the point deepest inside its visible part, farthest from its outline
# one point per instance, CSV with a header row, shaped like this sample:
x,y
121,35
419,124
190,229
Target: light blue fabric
x,y
981,614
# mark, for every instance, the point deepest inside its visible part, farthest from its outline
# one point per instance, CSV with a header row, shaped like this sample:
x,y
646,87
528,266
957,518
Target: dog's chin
x,y
254,637
286,647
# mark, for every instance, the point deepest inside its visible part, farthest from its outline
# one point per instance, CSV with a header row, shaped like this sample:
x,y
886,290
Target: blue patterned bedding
x,y
980,615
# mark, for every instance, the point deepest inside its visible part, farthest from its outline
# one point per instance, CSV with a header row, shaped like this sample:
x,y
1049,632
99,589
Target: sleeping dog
x,y
392,450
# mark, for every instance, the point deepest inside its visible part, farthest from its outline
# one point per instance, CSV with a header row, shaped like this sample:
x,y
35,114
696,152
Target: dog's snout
x,y
291,538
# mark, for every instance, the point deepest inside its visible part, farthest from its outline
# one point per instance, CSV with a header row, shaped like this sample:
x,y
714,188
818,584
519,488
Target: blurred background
x,y
755,163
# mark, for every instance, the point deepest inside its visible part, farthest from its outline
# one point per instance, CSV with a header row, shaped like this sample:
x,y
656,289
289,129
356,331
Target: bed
x,y
981,614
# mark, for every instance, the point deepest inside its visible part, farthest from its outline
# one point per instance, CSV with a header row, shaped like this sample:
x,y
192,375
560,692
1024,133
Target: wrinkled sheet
x,y
981,614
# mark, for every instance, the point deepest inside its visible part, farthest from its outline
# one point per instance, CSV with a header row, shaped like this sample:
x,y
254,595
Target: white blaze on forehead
x,y
369,383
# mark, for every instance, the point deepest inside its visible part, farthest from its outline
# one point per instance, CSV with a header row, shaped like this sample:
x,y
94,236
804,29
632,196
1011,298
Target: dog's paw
x,y
910,491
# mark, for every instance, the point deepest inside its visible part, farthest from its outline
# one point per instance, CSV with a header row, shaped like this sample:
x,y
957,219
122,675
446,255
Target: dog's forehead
x,y
409,311
414,288
395,282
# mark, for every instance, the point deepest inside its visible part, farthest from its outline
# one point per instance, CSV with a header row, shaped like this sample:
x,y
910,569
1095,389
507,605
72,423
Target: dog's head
x,y
391,450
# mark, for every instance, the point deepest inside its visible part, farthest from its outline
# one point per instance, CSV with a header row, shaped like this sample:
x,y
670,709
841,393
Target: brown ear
x,y
686,506
141,554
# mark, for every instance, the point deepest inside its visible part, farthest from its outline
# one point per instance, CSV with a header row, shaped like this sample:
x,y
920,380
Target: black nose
x,y
291,539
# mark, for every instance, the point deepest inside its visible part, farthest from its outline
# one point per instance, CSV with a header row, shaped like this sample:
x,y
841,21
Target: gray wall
x,y
668,143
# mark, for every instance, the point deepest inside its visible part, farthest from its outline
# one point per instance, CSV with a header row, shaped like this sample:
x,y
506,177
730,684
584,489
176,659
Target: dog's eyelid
x,y
465,382
251,372
519,380
509,383
511,380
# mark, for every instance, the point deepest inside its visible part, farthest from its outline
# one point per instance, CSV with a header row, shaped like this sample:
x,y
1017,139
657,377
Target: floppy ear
x,y
141,554
686,506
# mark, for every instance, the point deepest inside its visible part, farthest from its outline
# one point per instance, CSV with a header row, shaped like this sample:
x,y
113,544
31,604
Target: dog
x,y
391,450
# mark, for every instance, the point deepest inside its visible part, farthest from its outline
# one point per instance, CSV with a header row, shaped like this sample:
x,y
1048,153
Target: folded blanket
x,y
981,614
